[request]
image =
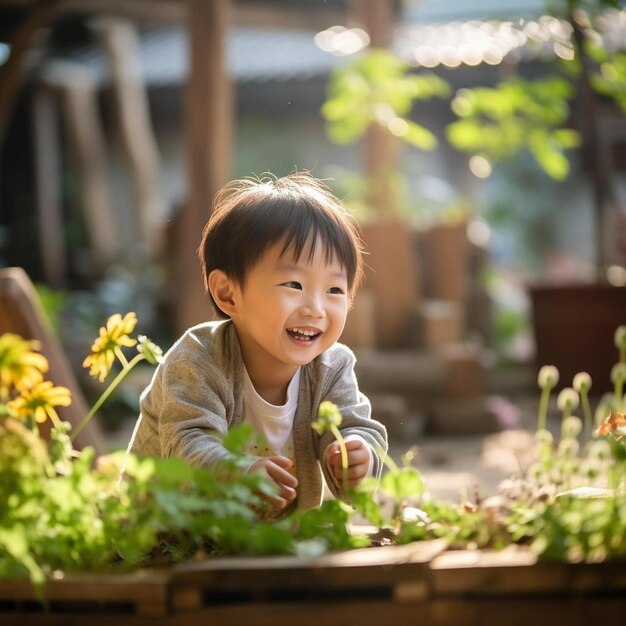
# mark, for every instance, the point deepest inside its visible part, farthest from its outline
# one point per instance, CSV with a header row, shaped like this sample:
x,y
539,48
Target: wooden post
x,y
391,269
88,148
208,111
381,147
21,313
133,119
47,185
11,71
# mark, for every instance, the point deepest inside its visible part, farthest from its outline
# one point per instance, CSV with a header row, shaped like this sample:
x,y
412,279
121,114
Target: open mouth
x,y
305,336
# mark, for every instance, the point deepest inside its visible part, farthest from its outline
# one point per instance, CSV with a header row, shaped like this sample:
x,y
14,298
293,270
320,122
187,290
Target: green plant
x,y
66,511
376,92
378,88
497,123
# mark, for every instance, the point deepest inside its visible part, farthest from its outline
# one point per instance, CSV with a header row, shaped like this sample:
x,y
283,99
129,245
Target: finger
x,y
355,457
332,450
284,494
275,501
357,471
335,462
281,476
282,461
354,444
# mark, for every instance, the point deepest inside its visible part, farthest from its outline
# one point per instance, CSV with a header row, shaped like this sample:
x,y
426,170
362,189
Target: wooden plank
x,y
73,618
135,129
134,598
142,593
608,577
48,185
12,70
315,611
87,147
400,572
517,571
21,313
513,571
208,128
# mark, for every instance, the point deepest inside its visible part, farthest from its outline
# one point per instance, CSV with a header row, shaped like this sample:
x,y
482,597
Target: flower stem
x,y
543,408
107,392
344,454
54,418
584,398
122,358
618,392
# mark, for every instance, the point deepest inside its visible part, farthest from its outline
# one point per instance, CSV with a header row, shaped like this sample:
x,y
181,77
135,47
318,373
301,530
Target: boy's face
x,y
289,311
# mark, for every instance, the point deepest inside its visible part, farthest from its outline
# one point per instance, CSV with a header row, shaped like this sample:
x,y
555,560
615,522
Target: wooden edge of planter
x,y
144,591
401,572
517,570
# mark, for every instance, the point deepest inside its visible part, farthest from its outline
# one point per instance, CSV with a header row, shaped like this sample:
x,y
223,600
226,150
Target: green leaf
x,y
374,88
420,137
405,482
237,439
553,162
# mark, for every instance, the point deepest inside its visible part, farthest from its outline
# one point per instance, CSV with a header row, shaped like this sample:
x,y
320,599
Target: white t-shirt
x,y
273,423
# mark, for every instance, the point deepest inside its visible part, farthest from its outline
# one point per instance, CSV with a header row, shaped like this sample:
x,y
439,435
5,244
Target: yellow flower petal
x,y
112,337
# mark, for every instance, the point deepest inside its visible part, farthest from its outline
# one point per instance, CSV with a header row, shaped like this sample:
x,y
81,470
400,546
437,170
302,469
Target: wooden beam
x,y
87,147
48,184
135,128
377,17
208,104
264,14
244,13
165,11
11,72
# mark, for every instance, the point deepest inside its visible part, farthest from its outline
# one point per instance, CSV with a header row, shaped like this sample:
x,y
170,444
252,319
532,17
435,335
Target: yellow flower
x,y
40,402
20,364
107,346
328,415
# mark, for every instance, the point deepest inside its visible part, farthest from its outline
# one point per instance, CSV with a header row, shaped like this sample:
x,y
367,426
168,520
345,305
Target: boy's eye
x,y
293,284
336,290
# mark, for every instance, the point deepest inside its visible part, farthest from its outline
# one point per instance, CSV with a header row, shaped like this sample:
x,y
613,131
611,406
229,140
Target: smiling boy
x,y
281,260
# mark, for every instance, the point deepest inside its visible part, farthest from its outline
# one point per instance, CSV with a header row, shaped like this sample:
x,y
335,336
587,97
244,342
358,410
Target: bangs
x,y
305,229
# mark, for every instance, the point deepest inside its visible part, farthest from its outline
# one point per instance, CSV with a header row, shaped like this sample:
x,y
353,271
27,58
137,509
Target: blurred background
x,y
482,146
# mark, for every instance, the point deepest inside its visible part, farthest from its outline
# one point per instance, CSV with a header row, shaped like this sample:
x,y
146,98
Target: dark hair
x,y
253,214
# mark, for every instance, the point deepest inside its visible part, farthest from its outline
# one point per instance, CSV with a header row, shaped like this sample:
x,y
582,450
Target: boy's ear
x,y
222,289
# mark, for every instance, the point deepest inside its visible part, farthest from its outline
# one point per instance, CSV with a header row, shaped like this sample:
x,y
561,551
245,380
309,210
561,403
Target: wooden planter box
x,y
418,583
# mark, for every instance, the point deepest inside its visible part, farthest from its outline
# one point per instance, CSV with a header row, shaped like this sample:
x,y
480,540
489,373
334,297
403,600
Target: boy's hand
x,y
275,467
358,461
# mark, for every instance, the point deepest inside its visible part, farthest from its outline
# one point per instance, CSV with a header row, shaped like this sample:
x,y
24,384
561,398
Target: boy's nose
x,y
313,308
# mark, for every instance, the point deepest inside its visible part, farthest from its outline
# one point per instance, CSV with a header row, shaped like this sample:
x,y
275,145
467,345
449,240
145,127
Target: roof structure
x,y
253,54
261,54
441,11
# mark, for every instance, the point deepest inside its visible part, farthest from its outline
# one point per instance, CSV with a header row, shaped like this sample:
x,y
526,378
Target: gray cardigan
x,y
196,395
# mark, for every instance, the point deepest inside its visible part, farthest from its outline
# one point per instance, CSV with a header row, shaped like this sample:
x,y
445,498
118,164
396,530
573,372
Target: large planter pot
x,y
391,276
574,327
419,583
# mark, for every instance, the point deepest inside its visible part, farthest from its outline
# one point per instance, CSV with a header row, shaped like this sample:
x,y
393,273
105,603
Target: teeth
x,y
304,333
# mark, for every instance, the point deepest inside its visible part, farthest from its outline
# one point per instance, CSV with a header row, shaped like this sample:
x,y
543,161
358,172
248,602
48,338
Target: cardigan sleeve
x,y
190,413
